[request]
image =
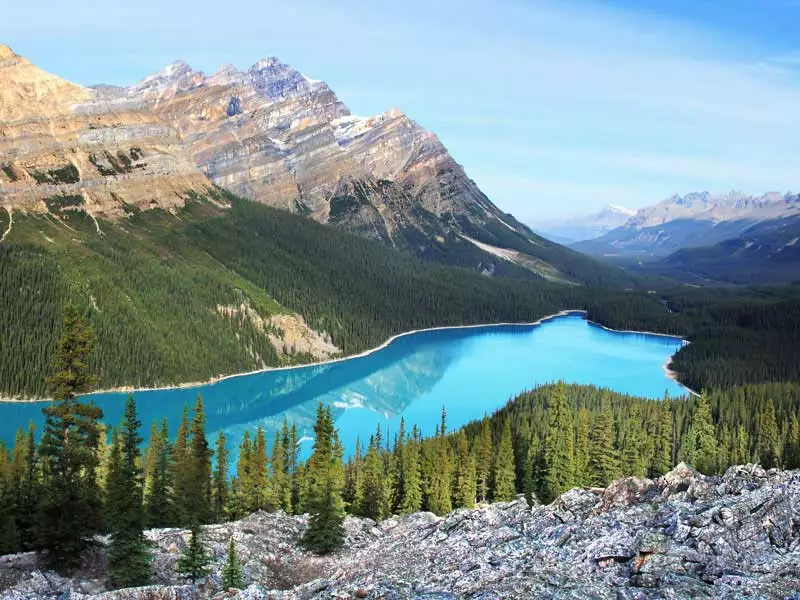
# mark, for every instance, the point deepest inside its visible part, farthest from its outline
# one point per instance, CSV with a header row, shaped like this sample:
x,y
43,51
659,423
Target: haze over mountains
x,y
588,227
696,219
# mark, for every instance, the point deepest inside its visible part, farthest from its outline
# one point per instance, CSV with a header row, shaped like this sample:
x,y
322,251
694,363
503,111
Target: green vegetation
x,y
128,554
194,560
232,573
109,164
541,444
66,174
59,203
155,287
69,504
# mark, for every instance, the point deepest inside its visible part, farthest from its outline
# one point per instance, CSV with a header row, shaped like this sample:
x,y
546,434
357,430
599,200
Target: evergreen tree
x,y
325,531
373,497
159,507
182,471
219,492
194,561
232,573
633,456
791,451
243,498
279,477
262,495
504,480
129,555
768,444
439,476
582,477
198,501
483,460
69,505
705,438
9,536
558,447
25,484
465,484
661,461
411,501
603,465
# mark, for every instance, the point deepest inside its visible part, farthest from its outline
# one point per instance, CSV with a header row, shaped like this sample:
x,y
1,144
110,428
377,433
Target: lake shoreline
x,y
214,380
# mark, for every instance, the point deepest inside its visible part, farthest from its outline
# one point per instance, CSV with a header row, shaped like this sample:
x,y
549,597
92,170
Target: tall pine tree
x,y
69,506
129,555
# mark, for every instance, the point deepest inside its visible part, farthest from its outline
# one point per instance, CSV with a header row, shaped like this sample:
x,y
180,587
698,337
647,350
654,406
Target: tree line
x,y
58,493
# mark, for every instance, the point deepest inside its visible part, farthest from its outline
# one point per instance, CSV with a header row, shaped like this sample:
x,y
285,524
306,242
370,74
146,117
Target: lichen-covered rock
x,y
681,536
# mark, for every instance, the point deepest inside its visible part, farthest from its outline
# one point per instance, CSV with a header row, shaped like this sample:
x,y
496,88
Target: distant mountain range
x,y
697,219
269,134
731,237
574,229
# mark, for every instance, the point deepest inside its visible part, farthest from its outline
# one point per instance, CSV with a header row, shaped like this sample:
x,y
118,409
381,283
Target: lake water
x,y
469,371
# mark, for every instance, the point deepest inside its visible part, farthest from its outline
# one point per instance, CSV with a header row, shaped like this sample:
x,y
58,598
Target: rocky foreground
x,y
681,536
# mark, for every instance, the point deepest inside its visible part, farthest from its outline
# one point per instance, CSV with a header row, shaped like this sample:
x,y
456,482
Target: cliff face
x,y
274,135
63,144
269,133
681,536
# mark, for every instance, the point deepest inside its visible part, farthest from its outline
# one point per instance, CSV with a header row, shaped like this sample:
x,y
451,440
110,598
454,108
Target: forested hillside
x,y
153,284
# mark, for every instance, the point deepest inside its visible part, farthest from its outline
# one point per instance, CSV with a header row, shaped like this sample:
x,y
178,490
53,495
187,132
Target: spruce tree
x,y
705,438
558,447
9,536
603,466
791,452
182,471
661,461
440,469
242,501
232,573
198,501
373,498
325,531
504,480
129,554
25,483
159,502
768,439
411,500
262,495
68,512
633,456
483,460
219,492
465,484
279,481
582,449
194,561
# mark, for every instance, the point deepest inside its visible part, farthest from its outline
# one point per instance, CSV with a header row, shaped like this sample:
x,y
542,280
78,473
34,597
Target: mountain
x,y
587,227
683,535
765,253
697,219
270,134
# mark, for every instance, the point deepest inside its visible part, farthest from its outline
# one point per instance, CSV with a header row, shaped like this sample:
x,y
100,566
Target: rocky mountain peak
x,y
6,52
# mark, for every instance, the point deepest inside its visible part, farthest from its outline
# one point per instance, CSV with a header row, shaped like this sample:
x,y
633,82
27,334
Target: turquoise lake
x,y
469,371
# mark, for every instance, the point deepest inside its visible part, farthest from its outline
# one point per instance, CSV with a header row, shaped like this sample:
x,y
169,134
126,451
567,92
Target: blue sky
x,y
553,107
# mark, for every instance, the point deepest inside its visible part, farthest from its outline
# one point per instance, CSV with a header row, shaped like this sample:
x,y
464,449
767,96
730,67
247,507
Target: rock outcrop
x,y
65,146
681,536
